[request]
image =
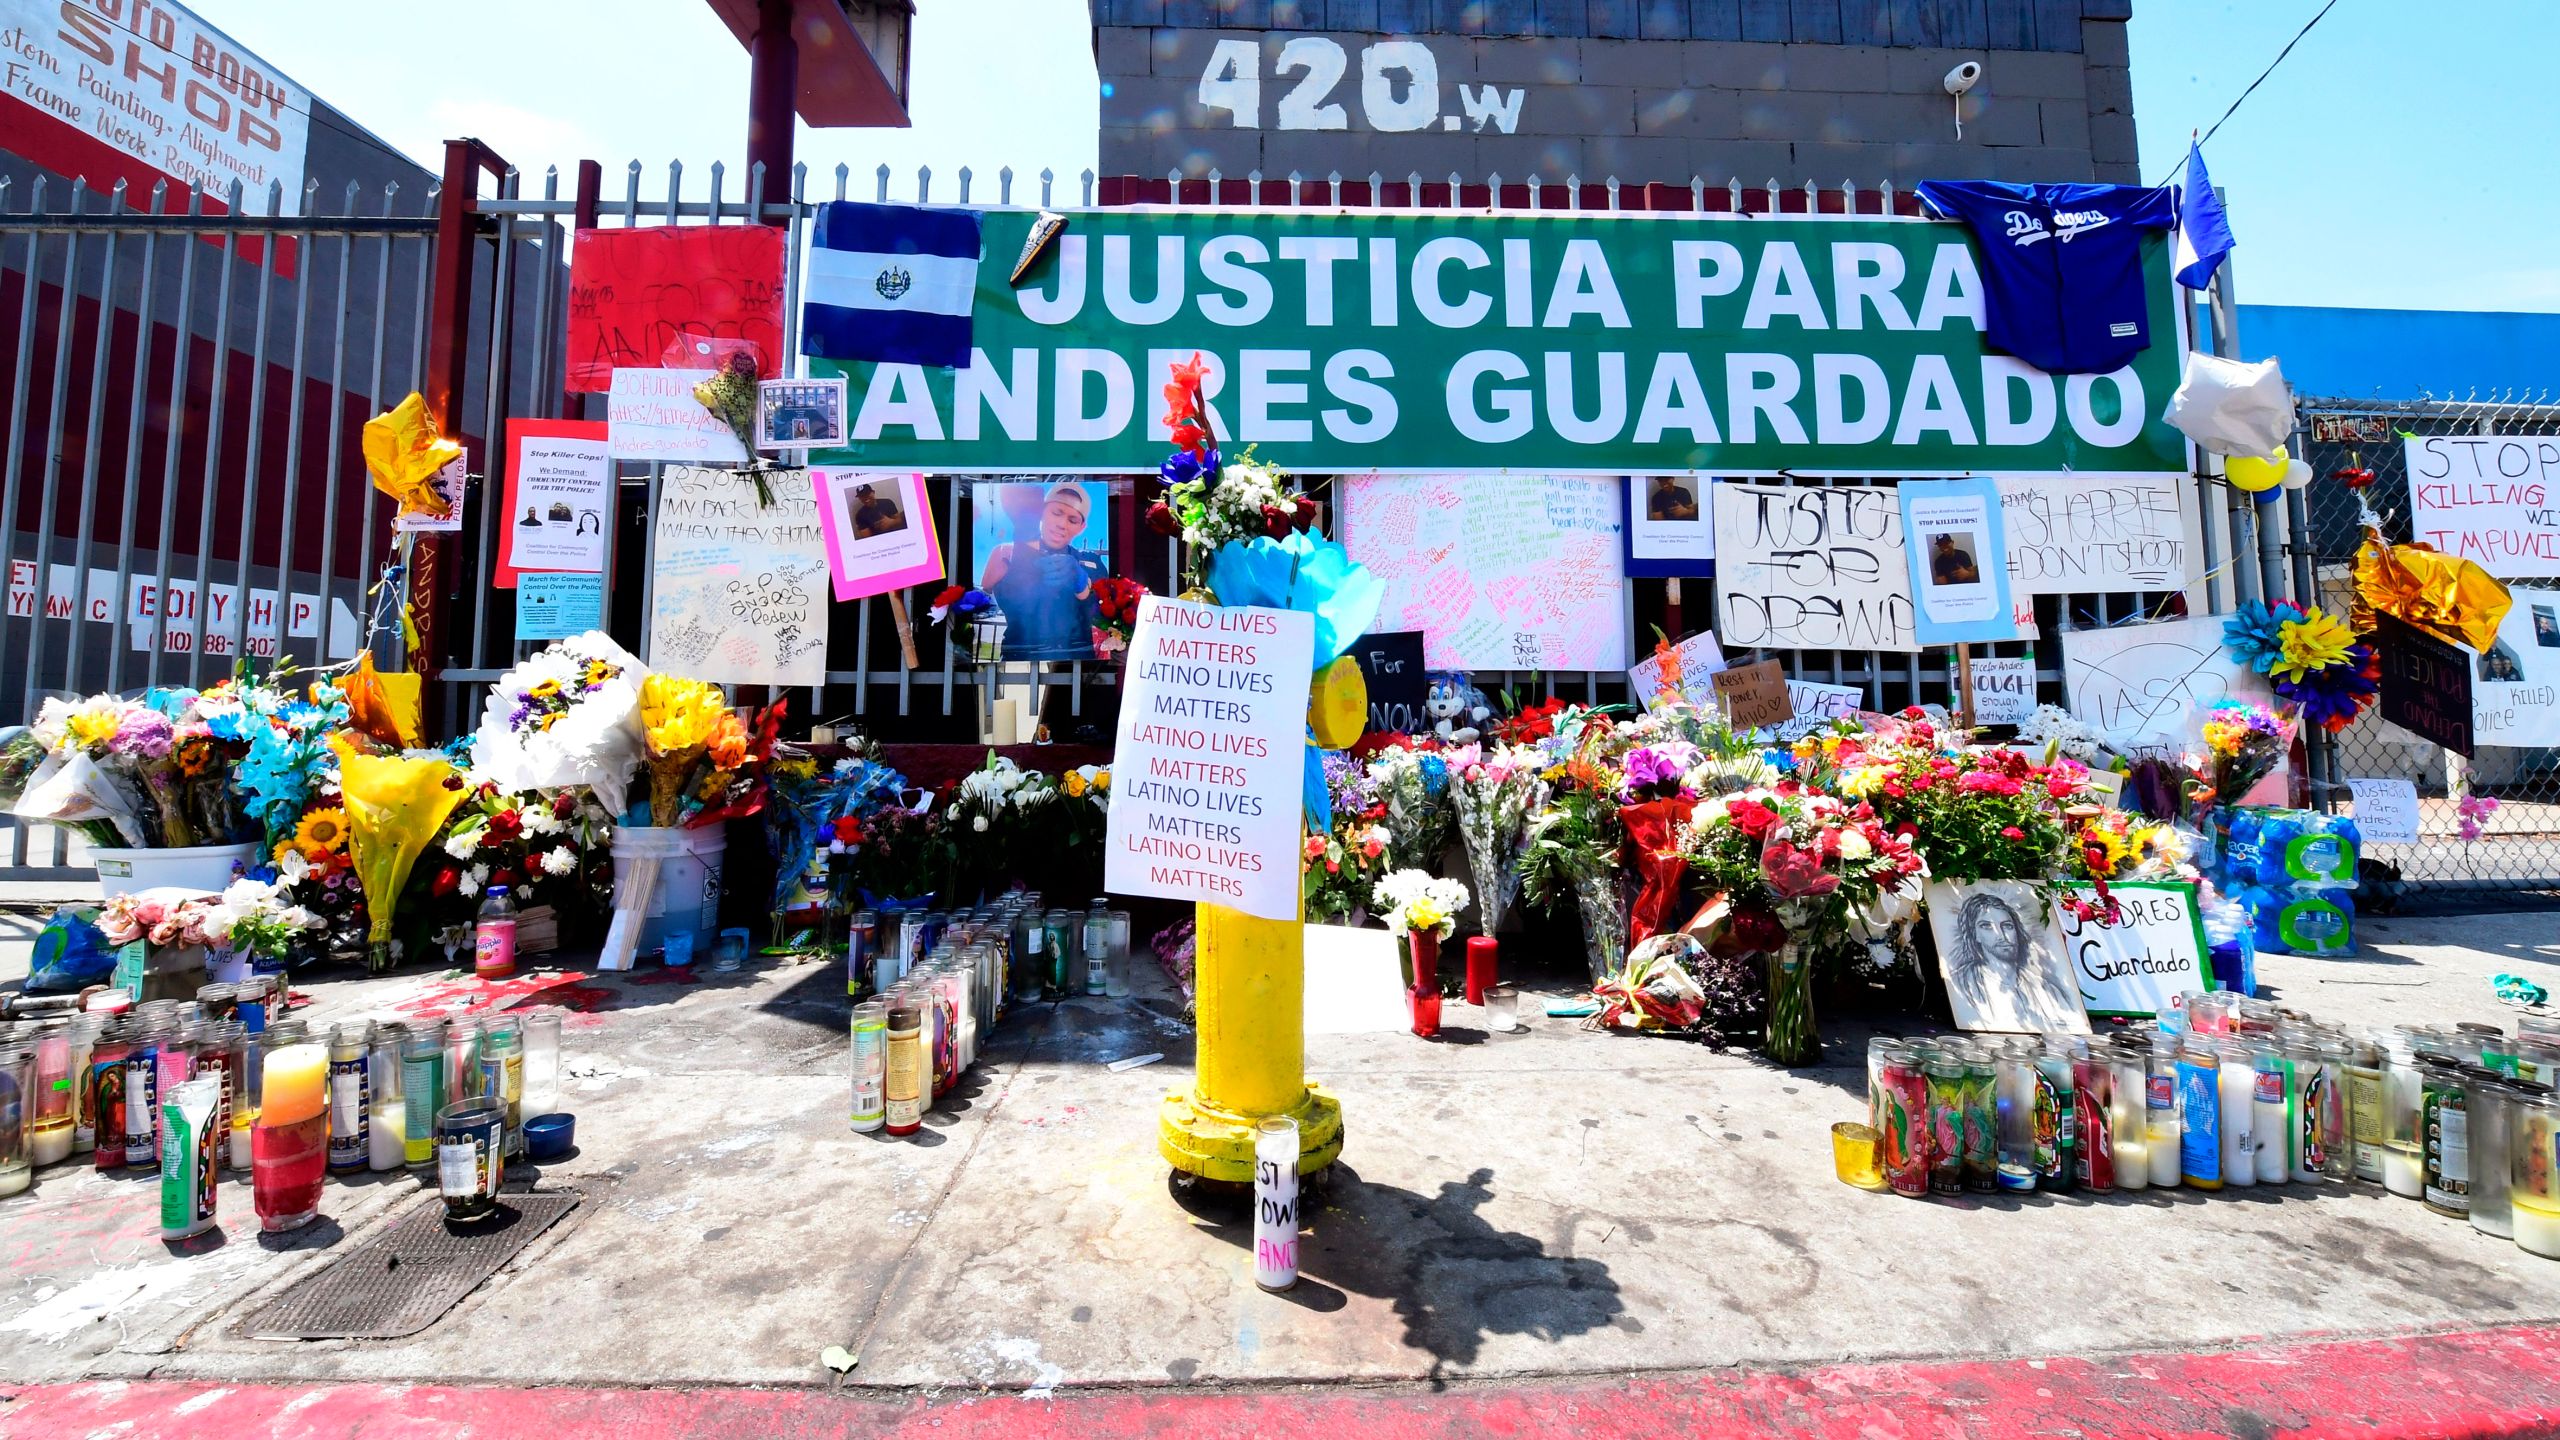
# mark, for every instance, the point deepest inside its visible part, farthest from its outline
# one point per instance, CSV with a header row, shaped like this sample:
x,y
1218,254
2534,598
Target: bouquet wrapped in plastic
x,y
704,763
396,804
569,715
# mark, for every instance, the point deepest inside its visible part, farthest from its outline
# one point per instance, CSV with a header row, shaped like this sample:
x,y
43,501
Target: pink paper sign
x,y
879,529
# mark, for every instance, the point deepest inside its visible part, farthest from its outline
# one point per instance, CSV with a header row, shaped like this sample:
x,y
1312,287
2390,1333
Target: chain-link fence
x,y
2361,478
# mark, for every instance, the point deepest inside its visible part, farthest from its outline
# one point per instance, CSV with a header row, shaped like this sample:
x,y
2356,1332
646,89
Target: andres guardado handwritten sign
x,y
1806,568
739,592
2151,953
1207,776
2490,499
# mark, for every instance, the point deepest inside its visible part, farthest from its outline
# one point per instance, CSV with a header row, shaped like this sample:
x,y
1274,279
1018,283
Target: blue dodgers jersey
x,y
2061,267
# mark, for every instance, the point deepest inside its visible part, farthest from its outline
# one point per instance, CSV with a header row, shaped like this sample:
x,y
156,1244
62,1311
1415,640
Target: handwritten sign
x,y
559,498
1816,704
2426,684
2386,811
632,292
2152,952
2516,700
739,589
1391,664
1700,657
880,534
2070,534
1806,568
554,605
2004,690
652,415
1753,696
2137,683
1206,775
1509,572
2490,499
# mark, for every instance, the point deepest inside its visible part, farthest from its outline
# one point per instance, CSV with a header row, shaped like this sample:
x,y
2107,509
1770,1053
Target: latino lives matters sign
x,y
164,94
1449,342
1206,780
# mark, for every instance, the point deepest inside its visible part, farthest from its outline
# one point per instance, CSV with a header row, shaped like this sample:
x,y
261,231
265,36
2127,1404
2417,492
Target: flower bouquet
x,y
396,805
313,866
1421,909
695,750
1494,796
568,715
1571,848
1115,612
1341,866
1414,786
2243,744
1798,867
290,760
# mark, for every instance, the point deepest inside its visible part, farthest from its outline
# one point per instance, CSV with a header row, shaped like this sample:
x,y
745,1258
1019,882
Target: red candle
x,y
1482,951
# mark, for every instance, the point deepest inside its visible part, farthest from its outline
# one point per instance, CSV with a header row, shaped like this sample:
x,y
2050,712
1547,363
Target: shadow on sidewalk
x,y
1453,1278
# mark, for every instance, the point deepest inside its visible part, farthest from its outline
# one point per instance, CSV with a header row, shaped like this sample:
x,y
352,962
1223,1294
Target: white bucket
x,y
203,868
687,896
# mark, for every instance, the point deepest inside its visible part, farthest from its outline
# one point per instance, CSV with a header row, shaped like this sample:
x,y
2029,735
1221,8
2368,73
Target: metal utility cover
x,y
402,1281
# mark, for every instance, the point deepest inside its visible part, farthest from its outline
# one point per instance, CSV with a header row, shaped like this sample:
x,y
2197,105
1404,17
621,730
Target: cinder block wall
x,y
1646,90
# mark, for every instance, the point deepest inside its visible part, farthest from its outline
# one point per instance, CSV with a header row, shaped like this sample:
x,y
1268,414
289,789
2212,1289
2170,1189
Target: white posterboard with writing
x,y
1812,568
652,415
1498,572
2151,953
1207,774
738,589
2386,811
2136,683
2004,690
1699,658
2072,534
2515,688
2490,499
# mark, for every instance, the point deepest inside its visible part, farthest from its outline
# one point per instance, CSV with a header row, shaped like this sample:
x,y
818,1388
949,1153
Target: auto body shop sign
x,y
1423,341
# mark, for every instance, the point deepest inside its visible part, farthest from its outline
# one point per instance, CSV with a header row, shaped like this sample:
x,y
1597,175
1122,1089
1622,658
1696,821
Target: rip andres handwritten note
x,y
1812,568
739,592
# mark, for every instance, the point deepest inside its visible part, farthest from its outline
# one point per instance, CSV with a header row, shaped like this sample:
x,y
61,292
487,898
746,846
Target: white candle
x,y
2403,1173
1275,1203
2238,1084
2537,1229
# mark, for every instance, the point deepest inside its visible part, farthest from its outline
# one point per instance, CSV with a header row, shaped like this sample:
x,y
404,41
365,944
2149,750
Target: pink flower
x,y
1986,782
2012,832
1795,873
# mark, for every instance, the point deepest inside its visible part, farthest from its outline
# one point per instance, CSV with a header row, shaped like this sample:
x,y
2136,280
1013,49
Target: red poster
x,y
558,500
631,292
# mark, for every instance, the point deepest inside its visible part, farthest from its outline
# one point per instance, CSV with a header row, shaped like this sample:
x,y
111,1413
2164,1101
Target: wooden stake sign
x,y
1754,695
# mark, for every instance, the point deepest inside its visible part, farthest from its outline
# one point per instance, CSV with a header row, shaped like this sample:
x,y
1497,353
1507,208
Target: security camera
x,y
1963,78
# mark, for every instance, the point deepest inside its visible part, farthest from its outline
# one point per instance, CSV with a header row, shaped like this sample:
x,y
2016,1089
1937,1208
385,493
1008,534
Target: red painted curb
x,y
2479,1385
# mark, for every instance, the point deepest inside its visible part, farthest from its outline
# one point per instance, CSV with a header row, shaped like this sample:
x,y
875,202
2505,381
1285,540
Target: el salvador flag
x,y
893,283
2204,231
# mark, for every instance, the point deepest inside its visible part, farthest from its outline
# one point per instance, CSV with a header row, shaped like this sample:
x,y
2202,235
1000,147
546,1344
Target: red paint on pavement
x,y
465,995
2480,1386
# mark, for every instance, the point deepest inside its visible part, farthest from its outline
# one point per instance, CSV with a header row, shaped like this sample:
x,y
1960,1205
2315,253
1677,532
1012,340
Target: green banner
x,y
1475,343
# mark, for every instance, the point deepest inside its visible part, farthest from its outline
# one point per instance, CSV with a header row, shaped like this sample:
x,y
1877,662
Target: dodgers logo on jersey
x,y
2025,228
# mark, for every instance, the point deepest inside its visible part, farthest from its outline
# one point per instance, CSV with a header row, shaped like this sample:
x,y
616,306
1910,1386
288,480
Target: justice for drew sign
x,y
1206,777
1426,341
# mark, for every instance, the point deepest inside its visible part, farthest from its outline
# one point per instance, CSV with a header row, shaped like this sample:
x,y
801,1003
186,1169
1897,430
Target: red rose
x,y
1160,520
564,804
2012,832
444,882
1751,932
1751,817
1307,510
1277,522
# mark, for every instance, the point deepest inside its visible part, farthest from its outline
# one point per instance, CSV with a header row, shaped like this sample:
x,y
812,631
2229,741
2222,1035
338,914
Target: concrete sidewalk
x,y
1554,1204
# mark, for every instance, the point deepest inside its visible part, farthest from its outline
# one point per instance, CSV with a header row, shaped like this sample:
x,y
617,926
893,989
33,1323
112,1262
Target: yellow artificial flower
x,y
1864,781
90,727
680,714
2315,642
322,832
1074,785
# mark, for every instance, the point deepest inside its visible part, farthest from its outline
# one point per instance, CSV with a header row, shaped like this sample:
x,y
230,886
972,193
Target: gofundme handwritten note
x,y
1806,568
738,594
1206,777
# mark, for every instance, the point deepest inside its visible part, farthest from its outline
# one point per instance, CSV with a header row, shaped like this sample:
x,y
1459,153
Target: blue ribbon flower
x,y
1305,572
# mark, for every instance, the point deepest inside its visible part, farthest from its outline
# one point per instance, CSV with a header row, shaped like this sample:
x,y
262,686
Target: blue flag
x,y
2204,231
893,283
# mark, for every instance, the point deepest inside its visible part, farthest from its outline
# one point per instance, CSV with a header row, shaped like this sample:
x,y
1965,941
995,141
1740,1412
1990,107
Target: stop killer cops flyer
x,y
1206,777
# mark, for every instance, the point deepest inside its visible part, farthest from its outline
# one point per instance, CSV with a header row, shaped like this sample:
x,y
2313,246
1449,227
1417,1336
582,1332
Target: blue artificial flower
x,y
1783,760
1308,573
2253,635
231,725
1435,774
1184,466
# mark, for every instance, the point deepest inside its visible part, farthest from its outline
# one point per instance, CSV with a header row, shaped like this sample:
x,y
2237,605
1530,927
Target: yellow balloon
x,y
2255,473
1338,704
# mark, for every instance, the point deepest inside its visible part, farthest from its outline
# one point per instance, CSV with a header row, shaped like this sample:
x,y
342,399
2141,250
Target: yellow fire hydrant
x,y
1250,983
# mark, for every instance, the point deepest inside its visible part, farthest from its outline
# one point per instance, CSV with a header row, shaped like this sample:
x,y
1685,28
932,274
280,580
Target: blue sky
x,y
2388,163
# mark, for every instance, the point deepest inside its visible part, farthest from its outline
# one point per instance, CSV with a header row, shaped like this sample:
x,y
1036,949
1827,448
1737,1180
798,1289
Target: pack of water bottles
x,y
2295,872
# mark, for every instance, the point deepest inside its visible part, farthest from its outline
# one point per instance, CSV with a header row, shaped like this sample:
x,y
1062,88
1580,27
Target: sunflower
x,y
543,689
323,832
194,753
2315,642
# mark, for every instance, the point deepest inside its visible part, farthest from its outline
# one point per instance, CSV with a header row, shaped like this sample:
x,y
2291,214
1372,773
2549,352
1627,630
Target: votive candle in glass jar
x,y
2496,1099
2014,1098
49,1103
1946,1125
1123,983
17,1079
541,1062
2093,1086
2200,1112
2403,1141
1903,1136
2128,1112
2533,1173
2272,1097
2160,1128
386,1108
2057,1119
2445,1125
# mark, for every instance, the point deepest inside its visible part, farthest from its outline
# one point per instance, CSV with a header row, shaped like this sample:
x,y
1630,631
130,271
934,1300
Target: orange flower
x,y
728,744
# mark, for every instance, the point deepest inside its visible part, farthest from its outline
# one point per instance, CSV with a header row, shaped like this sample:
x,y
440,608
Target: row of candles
x,y
193,1087
938,982
2226,1091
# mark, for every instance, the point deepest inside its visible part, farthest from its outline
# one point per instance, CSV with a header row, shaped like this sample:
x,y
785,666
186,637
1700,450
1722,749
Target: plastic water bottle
x,y
493,940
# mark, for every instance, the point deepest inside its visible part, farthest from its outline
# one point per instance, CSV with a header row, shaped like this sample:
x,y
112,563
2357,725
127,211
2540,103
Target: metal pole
x,y
773,80
448,359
